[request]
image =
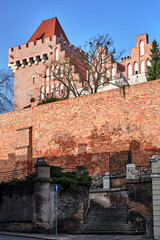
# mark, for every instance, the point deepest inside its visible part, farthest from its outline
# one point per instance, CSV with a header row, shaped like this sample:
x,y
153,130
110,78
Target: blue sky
x,y
123,20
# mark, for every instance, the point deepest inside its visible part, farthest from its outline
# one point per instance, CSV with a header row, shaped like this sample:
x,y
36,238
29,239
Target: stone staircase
x,y
100,220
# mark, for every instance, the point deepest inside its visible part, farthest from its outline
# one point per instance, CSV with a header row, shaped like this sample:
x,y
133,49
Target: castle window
x,y
141,48
67,70
108,74
57,89
56,54
47,91
61,71
148,63
142,67
113,73
47,74
52,73
62,86
91,80
42,92
136,68
129,70
102,60
102,78
33,78
57,68
52,90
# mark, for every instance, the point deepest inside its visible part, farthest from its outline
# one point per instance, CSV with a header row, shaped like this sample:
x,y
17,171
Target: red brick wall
x,y
85,130
24,88
136,56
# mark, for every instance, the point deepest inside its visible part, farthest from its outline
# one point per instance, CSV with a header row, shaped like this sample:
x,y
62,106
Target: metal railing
x,y
143,171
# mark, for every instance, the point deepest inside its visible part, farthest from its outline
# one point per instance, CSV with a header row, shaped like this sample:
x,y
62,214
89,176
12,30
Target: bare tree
x,y
66,80
100,60
6,90
87,73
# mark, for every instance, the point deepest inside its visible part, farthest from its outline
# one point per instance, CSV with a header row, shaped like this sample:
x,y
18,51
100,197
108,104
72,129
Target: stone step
x,y
104,232
102,220
105,222
105,218
106,228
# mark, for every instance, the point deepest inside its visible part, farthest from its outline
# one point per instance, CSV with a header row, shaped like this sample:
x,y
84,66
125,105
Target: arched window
x,y
136,68
67,69
102,60
61,71
113,73
102,79
52,90
56,54
108,74
148,63
91,79
56,88
57,69
129,70
47,74
42,92
62,87
142,67
141,48
47,91
52,73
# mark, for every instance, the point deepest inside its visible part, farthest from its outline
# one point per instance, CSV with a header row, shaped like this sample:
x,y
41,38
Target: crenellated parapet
x,y
125,58
39,51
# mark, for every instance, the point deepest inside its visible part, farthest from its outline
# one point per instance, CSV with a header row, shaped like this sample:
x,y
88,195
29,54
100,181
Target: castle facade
x,y
33,77
102,131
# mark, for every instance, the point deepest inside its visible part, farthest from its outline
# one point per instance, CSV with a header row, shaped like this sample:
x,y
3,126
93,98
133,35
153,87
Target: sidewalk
x,y
73,237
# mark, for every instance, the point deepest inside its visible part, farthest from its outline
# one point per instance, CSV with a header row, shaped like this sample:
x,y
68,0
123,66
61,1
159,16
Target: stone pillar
x,y
106,181
155,163
42,170
43,199
131,171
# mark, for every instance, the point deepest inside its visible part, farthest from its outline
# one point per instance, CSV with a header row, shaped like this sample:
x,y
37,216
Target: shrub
x,y
69,180
48,100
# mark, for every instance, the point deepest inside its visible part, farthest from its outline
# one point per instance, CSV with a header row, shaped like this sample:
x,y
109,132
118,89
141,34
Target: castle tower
x,y
29,62
136,64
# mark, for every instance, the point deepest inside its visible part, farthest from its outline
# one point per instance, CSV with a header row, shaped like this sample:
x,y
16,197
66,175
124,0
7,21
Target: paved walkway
x,y
27,236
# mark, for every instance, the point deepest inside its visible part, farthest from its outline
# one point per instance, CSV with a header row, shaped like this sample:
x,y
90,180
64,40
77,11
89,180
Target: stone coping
x,y
107,190
139,180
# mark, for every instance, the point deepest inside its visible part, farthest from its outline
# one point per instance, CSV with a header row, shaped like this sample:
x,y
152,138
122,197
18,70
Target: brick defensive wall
x,y
84,130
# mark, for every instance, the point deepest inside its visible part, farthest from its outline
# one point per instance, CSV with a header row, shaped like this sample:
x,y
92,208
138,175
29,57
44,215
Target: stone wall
x,y
16,202
85,130
29,206
72,208
139,202
26,206
111,198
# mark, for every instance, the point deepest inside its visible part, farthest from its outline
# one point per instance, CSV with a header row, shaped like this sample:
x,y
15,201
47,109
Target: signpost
x,y
56,190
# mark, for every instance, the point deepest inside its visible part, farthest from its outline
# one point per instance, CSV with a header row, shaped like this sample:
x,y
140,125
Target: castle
x,y
97,130
49,43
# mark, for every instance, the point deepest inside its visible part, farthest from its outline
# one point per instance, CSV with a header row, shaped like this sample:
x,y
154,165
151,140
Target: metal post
x,y
56,211
56,190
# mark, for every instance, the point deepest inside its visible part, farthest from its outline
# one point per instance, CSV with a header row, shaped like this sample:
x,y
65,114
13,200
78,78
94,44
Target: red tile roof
x,y
48,28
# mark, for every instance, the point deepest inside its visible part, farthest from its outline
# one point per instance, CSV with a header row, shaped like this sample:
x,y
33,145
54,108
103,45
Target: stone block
x,y
131,171
106,181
